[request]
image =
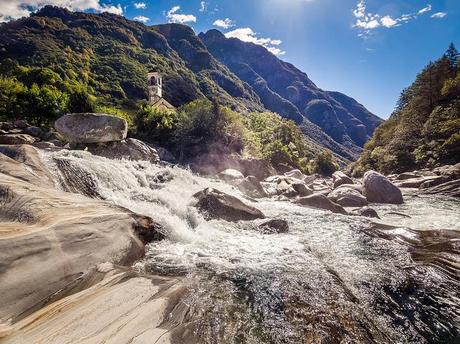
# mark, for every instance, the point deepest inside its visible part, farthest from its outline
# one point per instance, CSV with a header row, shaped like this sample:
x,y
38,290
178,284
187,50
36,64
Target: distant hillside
x,y
285,89
111,55
424,130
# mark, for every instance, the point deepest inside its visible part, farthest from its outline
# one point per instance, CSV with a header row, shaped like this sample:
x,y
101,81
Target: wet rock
x,y
147,229
435,181
216,204
297,174
230,175
348,197
378,189
340,178
251,187
91,128
365,211
451,188
321,202
16,139
131,149
274,226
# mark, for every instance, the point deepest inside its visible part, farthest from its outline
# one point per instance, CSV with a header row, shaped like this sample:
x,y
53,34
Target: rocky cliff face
x,y
285,89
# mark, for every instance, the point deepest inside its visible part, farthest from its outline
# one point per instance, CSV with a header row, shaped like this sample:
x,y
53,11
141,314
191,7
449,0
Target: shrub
x,y
324,164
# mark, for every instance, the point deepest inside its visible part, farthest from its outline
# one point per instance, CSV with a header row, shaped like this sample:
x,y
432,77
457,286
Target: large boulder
x,y
340,178
91,128
297,174
130,149
321,202
378,189
348,197
216,204
251,187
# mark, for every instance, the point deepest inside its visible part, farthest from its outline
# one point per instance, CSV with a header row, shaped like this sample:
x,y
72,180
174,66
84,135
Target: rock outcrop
x,y
215,204
378,189
91,128
49,238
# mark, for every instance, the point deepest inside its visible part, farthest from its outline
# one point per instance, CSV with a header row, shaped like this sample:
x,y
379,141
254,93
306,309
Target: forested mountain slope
x,y
110,56
424,130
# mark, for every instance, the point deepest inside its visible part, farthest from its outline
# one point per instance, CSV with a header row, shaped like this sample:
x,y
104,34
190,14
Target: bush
x,y
324,164
40,105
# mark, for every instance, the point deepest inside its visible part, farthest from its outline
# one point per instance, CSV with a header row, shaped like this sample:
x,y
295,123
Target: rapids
x,y
331,279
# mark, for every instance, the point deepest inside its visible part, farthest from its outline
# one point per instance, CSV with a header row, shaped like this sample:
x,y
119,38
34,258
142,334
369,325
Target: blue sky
x,y
368,49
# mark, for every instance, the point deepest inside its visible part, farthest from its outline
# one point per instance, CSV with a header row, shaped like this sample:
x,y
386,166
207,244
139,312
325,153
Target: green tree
x,y
324,164
452,55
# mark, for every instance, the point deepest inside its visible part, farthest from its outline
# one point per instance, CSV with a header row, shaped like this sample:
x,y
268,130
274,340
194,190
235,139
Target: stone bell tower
x,y
155,82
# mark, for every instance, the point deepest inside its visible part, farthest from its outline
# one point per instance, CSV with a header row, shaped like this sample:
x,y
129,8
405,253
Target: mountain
x,y
112,55
424,130
285,89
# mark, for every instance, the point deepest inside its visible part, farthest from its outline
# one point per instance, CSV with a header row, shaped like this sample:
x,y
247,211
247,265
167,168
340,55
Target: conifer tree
x,y
452,55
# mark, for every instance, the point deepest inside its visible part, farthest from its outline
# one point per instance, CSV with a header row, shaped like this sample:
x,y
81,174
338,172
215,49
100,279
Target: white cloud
x,y
224,23
367,21
140,5
111,9
203,6
425,9
142,19
14,9
248,35
174,17
439,15
387,21
276,51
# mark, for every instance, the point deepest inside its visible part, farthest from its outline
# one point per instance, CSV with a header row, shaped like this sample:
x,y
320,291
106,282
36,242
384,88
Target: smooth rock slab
x,y
91,127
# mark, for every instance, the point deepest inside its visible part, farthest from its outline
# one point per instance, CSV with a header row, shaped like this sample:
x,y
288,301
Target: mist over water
x,y
331,279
